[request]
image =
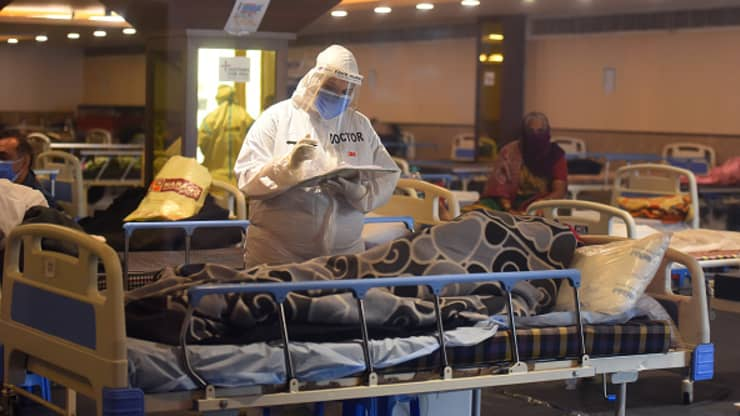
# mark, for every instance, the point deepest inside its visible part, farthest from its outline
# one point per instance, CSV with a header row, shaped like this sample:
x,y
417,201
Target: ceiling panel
x,y
361,17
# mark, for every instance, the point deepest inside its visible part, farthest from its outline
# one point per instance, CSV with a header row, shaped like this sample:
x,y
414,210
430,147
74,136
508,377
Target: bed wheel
x,y
687,391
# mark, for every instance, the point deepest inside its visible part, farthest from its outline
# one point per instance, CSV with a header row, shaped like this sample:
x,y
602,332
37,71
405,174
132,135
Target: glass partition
x,y
234,86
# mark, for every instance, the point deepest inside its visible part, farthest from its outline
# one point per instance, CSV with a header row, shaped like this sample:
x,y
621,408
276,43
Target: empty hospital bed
x,y
78,339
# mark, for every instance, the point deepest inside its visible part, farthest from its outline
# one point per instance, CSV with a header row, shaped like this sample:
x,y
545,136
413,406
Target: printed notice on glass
x,y
234,69
489,79
246,16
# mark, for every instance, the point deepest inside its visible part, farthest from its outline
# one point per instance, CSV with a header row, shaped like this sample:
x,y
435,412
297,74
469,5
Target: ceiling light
x,y
114,18
73,35
53,16
482,57
12,40
424,6
528,1
99,33
129,31
496,57
339,13
495,36
41,38
383,10
470,3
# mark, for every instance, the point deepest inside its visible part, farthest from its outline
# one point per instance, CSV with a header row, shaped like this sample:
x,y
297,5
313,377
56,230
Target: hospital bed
x,y
648,180
68,189
714,251
683,153
420,200
130,154
572,146
710,248
78,338
603,181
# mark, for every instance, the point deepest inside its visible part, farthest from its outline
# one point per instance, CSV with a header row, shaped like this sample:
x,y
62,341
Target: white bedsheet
x,y
376,234
157,368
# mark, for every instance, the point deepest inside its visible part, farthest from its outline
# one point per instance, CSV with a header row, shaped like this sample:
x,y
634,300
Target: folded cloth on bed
x,y
479,241
673,208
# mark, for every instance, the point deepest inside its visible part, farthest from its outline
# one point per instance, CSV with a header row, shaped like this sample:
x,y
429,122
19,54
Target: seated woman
x,y
527,170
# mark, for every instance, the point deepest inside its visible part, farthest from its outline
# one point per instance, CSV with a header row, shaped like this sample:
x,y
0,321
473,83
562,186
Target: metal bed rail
x,y
359,289
189,228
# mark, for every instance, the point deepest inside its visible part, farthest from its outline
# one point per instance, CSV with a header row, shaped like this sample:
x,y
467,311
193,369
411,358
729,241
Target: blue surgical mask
x,y
330,105
6,170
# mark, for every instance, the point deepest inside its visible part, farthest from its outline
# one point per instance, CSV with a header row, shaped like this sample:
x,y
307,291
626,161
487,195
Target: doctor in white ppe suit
x,y
303,137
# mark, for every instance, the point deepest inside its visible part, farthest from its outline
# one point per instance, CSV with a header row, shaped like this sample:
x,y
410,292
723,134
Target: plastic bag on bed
x,y
178,191
614,275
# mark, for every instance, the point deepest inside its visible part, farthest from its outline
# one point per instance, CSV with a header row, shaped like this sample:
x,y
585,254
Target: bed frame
x,y
78,338
650,179
420,201
593,218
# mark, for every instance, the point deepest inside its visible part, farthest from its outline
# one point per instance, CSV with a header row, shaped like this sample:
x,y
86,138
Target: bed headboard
x,y
598,223
54,292
649,179
423,205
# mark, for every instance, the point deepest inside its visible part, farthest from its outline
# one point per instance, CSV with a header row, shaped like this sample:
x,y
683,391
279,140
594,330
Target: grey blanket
x,y
478,241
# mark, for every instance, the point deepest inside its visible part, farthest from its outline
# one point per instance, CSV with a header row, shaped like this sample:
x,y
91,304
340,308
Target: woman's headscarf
x,y
539,154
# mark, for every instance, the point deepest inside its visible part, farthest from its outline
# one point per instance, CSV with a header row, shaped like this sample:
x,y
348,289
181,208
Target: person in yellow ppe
x,y
221,135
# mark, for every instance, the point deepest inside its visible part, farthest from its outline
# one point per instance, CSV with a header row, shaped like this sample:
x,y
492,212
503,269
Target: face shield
x,y
330,91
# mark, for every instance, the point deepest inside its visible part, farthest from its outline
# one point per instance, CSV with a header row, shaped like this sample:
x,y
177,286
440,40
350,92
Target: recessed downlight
x,y
73,35
12,41
100,33
129,31
41,38
470,3
424,6
382,10
339,13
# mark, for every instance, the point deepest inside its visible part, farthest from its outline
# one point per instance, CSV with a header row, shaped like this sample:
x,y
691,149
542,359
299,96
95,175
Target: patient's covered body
x,y
479,241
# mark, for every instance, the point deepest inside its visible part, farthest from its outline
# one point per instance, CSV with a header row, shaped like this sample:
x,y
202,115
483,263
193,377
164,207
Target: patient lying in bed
x,y
479,241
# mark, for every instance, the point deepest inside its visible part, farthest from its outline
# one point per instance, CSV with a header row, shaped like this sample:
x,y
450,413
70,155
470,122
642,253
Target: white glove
x,y
352,191
304,150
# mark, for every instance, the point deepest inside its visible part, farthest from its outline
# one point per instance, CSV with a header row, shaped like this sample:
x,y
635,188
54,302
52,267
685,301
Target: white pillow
x,y
614,275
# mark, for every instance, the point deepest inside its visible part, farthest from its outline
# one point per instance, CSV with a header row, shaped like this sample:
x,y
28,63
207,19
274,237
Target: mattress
x,y
157,368
552,343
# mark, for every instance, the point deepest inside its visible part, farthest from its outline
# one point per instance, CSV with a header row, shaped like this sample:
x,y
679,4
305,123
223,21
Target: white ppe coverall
x,y
301,223
15,200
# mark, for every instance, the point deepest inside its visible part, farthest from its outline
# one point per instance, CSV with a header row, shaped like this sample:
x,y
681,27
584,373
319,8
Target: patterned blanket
x,y
478,241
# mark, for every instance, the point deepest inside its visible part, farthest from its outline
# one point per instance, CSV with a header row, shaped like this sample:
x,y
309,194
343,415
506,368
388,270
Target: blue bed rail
x,y
359,288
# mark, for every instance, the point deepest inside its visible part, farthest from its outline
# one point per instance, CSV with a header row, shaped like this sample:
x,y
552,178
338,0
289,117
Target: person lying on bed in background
x,y
526,170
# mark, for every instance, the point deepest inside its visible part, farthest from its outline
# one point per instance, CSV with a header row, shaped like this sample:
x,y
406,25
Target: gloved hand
x,y
304,150
351,190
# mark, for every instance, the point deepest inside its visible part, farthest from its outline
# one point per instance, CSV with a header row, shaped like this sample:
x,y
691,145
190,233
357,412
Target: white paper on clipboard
x,y
246,16
344,171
